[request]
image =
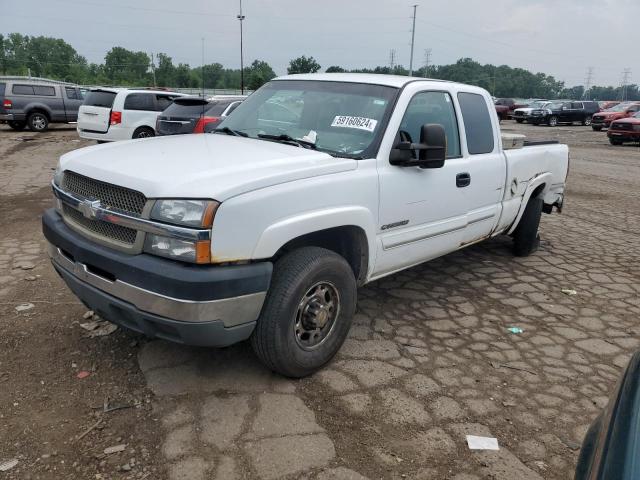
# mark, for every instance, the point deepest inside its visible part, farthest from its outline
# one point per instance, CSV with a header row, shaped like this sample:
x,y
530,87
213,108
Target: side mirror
x,y
431,151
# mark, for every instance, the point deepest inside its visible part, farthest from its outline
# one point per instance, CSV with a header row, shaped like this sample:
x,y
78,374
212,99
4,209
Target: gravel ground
x,y
429,358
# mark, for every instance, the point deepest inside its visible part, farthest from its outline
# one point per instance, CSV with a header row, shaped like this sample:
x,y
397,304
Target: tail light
x,y
202,122
116,118
6,103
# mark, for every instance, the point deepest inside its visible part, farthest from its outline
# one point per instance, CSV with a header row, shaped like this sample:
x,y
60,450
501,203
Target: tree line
x,y
54,58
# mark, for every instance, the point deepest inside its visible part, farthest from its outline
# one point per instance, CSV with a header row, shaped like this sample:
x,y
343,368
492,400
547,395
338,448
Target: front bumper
x,y
599,122
184,303
624,135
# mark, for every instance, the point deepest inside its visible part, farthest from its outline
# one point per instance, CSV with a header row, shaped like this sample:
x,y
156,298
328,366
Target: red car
x,y
504,107
606,104
623,110
625,130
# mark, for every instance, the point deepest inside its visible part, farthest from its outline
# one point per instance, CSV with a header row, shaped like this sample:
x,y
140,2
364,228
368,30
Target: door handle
x,y
463,180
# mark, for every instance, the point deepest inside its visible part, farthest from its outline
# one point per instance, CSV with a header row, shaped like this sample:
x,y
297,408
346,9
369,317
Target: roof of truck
x,y
397,81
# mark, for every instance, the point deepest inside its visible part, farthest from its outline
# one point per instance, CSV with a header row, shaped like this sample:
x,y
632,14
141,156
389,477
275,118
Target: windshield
x,y
538,104
554,106
342,119
621,107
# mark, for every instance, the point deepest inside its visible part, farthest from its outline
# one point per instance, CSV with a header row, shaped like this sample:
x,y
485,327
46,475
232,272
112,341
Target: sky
x,y
562,38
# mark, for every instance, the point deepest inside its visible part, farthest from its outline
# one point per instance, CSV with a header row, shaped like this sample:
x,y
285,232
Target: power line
x,y
626,77
413,37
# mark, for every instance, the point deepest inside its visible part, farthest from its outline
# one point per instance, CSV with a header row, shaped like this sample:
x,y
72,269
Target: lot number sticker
x,y
361,123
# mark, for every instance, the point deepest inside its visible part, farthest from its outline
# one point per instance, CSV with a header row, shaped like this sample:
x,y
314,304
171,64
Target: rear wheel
x,y
38,122
615,141
16,125
553,121
526,239
143,132
519,120
307,314
587,121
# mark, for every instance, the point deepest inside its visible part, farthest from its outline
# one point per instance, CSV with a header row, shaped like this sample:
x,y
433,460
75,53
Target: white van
x,y
110,114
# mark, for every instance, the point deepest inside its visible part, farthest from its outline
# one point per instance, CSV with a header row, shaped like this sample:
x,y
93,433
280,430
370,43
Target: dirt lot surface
x,y
429,358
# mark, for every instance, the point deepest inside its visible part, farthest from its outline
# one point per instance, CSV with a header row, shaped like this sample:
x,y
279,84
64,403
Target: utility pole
x,y
427,61
626,77
241,18
153,70
202,67
392,59
413,37
587,83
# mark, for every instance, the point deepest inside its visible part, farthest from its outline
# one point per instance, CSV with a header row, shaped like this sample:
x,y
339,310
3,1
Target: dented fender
x,y
531,184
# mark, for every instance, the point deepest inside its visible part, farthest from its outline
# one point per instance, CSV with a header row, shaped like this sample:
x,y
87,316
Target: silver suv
x,y
37,102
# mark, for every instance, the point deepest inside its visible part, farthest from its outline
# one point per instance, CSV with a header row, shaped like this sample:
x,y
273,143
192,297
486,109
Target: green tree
x,y
125,67
258,74
335,69
165,71
303,65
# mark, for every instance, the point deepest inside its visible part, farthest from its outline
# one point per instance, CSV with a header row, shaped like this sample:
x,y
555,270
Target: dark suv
x,y
36,102
195,114
564,112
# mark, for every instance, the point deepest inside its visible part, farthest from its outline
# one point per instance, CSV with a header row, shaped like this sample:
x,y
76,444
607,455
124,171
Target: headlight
x,y
188,213
176,249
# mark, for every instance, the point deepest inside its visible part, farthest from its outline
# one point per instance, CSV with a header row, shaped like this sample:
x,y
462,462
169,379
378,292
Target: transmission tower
x,y
427,61
626,77
587,83
392,58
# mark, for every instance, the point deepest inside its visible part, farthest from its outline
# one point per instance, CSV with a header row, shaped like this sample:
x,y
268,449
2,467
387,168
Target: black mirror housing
x,y
431,151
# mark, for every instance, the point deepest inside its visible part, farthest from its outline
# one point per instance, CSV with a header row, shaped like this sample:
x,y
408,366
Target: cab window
x,y
431,107
477,123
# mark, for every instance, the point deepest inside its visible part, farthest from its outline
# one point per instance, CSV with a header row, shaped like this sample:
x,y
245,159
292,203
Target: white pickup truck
x,y
315,185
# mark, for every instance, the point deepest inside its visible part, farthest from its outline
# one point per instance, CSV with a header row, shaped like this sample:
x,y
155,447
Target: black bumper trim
x,y
159,275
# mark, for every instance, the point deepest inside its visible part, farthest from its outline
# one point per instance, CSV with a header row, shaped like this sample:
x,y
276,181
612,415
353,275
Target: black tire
x,y
519,120
38,122
615,141
525,237
143,132
16,125
553,121
586,121
596,129
280,333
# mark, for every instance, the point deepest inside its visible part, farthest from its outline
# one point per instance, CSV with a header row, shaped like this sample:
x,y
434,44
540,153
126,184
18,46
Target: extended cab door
x,y
72,102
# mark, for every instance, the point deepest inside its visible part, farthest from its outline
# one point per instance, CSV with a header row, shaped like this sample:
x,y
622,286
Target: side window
x,y
162,102
82,93
44,91
139,101
477,123
634,109
231,108
71,93
432,107
22,89
577,106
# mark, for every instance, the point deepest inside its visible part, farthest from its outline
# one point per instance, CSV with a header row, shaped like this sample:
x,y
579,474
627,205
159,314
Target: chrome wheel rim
x,y
316,315
587,121
144,134
553,122
38,122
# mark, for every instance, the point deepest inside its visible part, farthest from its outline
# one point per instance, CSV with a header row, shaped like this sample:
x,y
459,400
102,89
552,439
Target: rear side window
x,y
139,101
188,109
44,91
577,105
477,123
72,93
232,107
99,98
22,90
217,109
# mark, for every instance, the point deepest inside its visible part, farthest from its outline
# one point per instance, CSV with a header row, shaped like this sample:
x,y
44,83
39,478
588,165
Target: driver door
x,y
422,210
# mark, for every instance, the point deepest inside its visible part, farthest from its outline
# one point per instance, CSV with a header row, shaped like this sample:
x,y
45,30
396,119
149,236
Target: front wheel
x,y
525,237
519,120
615,141
38,122
307,314
553,121
143,132
16,125
587,121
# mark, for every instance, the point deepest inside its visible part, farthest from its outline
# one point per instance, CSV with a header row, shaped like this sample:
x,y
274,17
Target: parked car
x,y
520,114
505,106
195,114
622,110
265,228
625,130
607,104
110,114
611,447
565,112
37,102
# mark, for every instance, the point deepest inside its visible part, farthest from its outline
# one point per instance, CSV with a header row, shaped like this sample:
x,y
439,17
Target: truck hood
x,y
200,166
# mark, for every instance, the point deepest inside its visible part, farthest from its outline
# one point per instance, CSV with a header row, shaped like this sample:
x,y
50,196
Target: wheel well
x,y
348,241
39,110
538,191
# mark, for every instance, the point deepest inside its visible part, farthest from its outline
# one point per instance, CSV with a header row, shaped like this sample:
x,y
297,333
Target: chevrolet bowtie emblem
x,y
89,208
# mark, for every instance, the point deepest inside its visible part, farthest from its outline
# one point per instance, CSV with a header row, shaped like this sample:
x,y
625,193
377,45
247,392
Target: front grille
x,y
103,229
518,114
622,126
110,196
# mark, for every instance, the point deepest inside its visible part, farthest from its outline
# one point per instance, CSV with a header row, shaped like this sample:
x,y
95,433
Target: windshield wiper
x,y
228,131
284,138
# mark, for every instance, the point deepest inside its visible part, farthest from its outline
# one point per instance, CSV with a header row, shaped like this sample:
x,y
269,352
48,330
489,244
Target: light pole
x,y
241,18
413,37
